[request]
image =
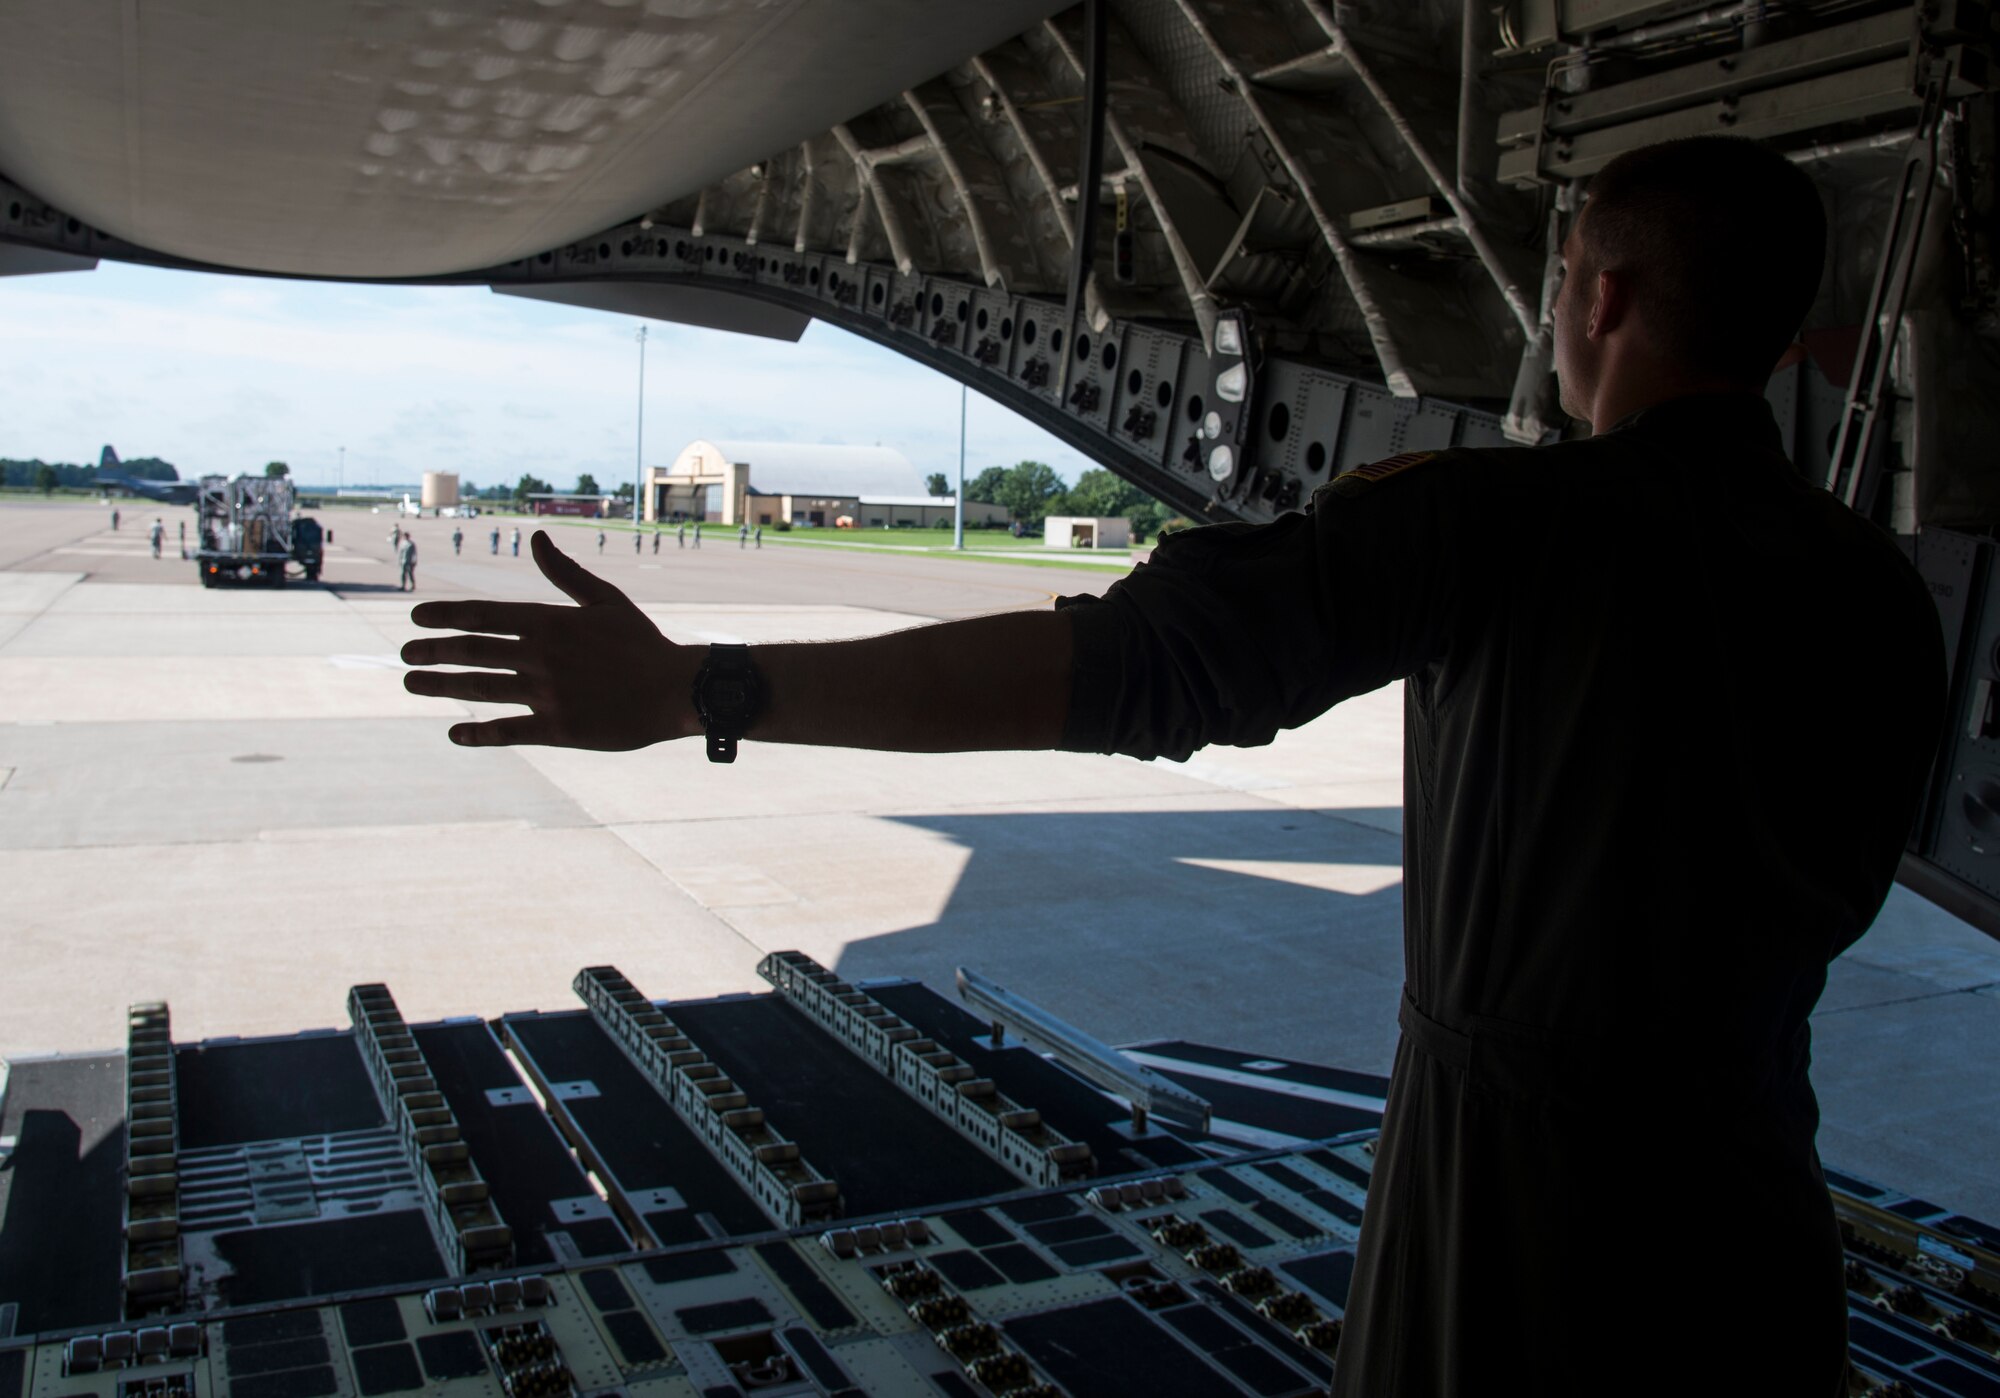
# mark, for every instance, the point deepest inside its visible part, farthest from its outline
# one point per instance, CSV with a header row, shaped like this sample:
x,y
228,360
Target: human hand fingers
x,y
578,583
494,618
479,686
504,732
596,675
475,652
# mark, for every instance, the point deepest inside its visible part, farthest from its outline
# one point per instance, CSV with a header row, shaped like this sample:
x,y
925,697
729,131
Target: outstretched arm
x,y
600,675
1227,635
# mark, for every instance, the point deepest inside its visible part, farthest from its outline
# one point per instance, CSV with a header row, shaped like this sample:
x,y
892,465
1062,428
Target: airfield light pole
x,y
639,448
958,515
340,481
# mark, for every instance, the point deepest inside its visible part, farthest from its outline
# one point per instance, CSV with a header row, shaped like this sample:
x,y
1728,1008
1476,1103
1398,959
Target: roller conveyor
x,y
312,1256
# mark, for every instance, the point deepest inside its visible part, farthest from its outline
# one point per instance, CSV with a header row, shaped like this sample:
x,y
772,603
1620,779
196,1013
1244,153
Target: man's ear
x,y
1613,306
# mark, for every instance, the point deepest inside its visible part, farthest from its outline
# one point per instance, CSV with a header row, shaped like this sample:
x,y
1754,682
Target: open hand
x,y
596,675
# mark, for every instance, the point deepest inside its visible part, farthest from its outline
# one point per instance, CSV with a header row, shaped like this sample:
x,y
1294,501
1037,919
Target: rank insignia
x,y
1361,477
1388,466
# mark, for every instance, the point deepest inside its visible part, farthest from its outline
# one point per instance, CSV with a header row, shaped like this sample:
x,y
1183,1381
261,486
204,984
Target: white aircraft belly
x,y
349,138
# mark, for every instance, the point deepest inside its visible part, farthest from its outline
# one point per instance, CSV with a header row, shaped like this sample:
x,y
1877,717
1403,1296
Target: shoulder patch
x,y
1388,466
1363,476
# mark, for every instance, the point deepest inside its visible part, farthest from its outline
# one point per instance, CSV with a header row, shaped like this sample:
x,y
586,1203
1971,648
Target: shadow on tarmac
x,y
343,588
1118,919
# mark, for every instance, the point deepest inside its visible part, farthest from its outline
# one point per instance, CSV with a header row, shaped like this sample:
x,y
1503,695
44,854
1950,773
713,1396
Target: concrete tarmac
x,y
361,562
224,798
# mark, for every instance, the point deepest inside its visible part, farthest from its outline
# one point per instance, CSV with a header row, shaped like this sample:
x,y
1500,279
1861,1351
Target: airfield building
x,y
569,503
765,483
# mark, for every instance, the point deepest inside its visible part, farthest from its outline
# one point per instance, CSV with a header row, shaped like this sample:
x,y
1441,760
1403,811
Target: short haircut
x,y
1723,241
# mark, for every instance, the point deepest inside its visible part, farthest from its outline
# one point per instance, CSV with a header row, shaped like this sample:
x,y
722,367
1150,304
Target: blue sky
x,y
225,373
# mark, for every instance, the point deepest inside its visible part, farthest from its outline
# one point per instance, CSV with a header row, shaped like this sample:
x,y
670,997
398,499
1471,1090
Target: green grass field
x,y
1023,553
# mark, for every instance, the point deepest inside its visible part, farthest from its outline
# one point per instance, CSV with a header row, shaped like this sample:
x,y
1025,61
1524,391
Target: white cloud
x,y
225,373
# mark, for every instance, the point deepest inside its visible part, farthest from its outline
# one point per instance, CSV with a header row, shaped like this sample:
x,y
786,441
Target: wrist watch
x,y
728,695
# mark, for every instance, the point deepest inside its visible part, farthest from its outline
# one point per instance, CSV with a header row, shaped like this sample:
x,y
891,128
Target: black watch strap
x,y
728,695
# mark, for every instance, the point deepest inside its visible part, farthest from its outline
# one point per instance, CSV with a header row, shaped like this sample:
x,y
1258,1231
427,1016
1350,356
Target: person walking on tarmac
x,y
656,541
681,536
600,541
742,536
760,536
1630,851
184,540
697,533
517,541
158,533
457,540
406,556
637,542
114,521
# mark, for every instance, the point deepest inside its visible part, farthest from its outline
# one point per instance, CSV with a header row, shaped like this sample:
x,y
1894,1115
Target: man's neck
x,y
1638,388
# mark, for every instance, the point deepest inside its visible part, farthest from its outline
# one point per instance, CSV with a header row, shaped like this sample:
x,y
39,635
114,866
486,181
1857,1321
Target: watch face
x,y
727,692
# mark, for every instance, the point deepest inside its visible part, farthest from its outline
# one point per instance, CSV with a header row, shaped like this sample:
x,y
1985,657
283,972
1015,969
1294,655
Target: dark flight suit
x,y
1668,715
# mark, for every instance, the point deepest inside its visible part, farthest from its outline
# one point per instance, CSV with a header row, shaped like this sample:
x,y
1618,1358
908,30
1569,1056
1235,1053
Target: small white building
x,y
1087,532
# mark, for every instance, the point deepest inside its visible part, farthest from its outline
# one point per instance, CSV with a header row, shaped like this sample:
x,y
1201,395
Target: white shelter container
x,y
1087,532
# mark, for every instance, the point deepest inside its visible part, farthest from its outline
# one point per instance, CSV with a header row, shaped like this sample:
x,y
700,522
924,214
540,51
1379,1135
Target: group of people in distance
x,y
745,537
405,545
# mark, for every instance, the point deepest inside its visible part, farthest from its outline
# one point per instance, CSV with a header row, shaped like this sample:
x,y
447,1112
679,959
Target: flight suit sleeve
x,y
1231,632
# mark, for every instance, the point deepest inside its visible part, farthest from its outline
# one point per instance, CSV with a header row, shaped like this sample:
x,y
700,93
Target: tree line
x,y
69,475
1031,491
586,484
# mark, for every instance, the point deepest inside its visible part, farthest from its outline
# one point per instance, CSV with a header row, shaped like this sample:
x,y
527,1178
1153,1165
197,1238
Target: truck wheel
x,y
278,576
312,575
201,571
